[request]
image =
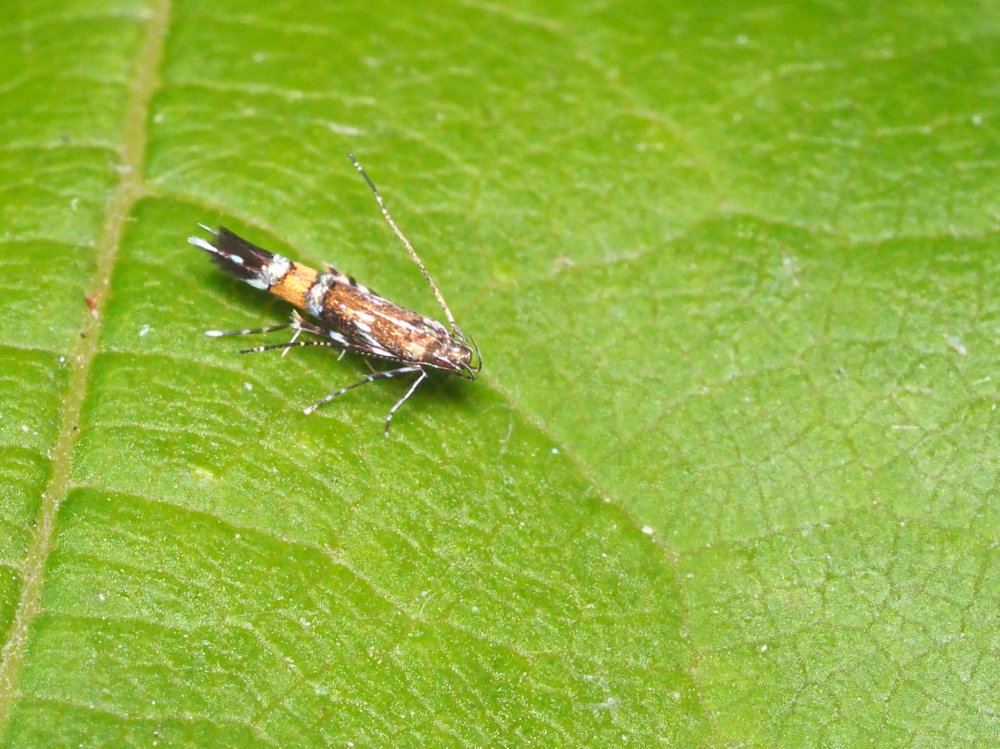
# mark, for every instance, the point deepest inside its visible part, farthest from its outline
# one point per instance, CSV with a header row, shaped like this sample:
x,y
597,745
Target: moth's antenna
x,y
407,245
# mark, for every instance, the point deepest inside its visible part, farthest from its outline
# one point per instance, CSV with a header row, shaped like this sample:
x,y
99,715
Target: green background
x,y
729,477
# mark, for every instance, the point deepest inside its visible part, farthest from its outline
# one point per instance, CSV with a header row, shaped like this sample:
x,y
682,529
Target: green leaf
x,y
729,476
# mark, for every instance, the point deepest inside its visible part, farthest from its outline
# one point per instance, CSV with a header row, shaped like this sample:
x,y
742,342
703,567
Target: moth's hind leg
x,y
300,326
287,345
296,322
247,331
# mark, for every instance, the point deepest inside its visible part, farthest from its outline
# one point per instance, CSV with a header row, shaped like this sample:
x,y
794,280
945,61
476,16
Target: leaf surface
x,y
729,477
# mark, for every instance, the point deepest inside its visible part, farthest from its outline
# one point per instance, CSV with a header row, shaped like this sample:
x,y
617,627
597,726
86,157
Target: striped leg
x,y
401,401
296,323
287,345
248,331
295,337
384,375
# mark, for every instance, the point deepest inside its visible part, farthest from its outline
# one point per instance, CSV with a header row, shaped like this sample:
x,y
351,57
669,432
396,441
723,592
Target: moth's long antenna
x,y
408,246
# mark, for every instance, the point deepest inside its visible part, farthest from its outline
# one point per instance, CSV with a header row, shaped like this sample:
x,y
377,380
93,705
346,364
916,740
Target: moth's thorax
x,y
361,318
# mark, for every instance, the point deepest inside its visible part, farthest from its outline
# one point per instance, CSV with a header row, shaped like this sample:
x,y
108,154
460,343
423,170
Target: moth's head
x,y
465,354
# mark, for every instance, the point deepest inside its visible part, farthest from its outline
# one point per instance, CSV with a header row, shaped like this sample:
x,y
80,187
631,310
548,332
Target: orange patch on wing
x,y
294,285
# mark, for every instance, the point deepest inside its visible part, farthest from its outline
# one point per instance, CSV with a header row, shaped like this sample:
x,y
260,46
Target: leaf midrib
x,y
130,188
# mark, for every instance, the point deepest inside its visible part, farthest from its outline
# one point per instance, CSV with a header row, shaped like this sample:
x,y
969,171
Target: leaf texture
x,y
729,477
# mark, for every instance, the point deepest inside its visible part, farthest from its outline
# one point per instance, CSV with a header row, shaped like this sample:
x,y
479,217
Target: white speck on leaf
x,y
955,343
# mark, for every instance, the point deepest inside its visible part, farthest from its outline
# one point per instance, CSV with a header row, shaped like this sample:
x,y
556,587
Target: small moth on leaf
x,y
348,316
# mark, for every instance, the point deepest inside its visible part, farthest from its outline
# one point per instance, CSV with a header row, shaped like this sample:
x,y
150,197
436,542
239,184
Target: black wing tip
x,y
231,242
233,254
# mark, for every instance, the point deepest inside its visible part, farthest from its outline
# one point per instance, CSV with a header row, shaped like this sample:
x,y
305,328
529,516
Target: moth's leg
x,y
296,322
401,401
295,338
304,326
299,323
287,345
248,331
363,381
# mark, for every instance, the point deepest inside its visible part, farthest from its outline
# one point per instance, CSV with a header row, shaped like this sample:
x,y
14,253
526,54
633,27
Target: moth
x,y
347,315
